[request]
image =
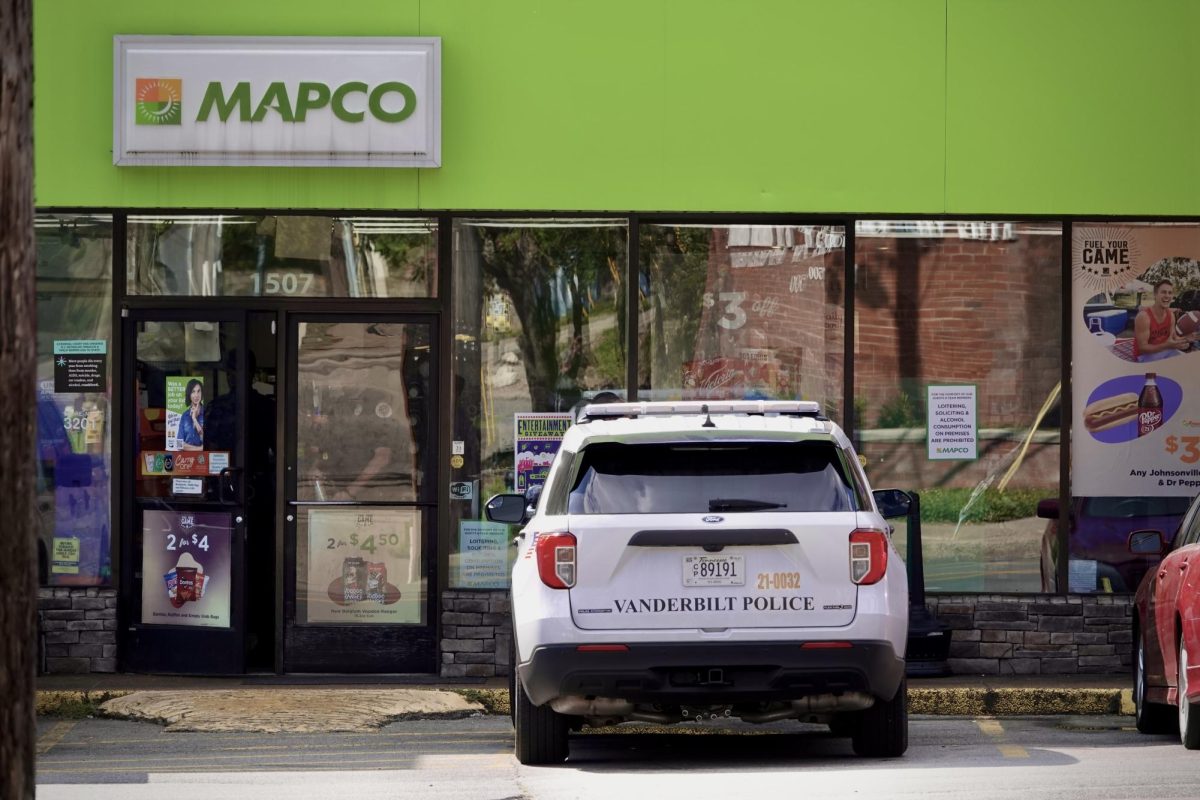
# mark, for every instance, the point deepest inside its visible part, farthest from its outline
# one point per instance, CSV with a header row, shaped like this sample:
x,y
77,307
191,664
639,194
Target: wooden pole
x,y
18,578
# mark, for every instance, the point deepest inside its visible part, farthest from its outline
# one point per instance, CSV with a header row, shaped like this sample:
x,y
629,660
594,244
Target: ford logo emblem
x,y
712,518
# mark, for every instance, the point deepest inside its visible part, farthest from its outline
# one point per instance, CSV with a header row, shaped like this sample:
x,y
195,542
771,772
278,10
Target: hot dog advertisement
x,y
1135,308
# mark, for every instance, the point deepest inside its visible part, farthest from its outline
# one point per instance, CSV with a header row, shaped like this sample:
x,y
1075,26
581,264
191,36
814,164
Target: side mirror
x,y
1146,543
892,503
508,508
1047,509
532,495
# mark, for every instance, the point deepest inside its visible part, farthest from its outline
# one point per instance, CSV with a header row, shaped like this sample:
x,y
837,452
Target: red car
x,y
1166,634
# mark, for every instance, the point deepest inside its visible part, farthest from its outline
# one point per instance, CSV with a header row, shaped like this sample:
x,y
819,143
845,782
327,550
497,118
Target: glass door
x,y
361,494
187,376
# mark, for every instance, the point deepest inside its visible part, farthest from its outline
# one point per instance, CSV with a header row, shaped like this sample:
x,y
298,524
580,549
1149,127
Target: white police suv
x,y
701,560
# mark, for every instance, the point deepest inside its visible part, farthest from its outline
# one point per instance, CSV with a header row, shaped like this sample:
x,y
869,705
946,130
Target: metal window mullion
x,y
632,307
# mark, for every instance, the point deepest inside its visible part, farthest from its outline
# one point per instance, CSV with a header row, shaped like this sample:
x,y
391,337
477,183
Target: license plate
x,y
714,571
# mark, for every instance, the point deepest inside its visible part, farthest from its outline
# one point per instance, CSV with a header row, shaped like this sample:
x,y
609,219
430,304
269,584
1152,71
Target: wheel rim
x,y
1182,683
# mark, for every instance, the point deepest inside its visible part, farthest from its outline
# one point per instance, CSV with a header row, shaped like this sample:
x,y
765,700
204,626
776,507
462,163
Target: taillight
x,y
868,556
556,559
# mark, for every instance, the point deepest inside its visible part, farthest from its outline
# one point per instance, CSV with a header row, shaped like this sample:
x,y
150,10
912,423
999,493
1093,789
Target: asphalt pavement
x,y
1066,757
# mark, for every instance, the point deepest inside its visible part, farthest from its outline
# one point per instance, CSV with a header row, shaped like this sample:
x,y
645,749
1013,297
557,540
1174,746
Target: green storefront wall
x,y
952,107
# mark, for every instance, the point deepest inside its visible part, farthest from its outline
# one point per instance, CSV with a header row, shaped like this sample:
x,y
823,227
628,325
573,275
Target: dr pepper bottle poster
x,y
1135,317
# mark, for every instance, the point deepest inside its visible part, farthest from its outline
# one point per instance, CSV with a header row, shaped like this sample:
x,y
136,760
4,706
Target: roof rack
x,y
782,408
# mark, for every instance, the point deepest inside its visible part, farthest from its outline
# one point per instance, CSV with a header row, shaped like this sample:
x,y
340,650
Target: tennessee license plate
x,y
714,571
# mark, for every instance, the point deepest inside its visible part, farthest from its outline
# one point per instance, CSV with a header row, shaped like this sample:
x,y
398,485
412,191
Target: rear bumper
x,y
709,672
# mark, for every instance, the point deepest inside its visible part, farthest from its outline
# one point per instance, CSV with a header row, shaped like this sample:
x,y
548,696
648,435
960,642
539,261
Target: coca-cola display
x,y
1150,406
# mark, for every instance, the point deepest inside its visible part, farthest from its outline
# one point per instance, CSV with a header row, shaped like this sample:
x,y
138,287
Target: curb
x,y
1019,702
72,704
973,702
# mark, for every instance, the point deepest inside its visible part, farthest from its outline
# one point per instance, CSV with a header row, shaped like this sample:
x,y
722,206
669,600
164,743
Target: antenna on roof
x,y
708,423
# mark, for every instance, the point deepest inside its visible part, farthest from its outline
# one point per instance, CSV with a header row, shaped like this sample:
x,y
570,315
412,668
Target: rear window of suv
x,y
674,478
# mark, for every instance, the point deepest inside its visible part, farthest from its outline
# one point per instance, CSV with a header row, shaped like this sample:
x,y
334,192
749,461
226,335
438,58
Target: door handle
x,y
227,490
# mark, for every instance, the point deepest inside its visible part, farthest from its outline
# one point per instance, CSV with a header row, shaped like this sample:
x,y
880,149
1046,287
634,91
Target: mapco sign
x,y
254,101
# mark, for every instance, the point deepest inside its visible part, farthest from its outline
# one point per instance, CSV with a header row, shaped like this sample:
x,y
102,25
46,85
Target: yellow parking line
x,y
990,726
53,736
1013,751
994,730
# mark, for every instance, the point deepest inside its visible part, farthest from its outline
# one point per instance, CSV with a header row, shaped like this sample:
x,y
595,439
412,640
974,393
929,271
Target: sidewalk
x,y
327,703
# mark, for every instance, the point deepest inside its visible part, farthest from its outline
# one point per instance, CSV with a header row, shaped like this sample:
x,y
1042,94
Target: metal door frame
x,y
424,638
225,646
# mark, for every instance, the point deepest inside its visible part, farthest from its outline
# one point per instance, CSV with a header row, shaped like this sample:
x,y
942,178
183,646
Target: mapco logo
x,y
159,101
952,449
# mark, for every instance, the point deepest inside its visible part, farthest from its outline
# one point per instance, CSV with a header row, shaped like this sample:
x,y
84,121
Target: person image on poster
x,y
191,424
1154,328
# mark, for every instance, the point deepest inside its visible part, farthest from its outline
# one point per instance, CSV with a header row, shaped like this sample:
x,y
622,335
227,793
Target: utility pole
x,y
18,578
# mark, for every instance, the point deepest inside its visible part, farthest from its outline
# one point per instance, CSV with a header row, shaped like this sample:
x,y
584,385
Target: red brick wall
x,y
947,309
951,310
792,305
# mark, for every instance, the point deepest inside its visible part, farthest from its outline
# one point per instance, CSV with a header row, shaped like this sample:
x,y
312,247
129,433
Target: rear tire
x,y
882,730
1149,717
1189,713
541,732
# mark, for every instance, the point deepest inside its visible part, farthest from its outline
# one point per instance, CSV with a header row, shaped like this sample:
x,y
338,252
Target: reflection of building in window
x,y
743,312
960,309
282,255
362,408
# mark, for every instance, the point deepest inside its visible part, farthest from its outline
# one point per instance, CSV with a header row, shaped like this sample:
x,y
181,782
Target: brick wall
x,y
904,461
476,634
1037,634
944,310
78,630
992,634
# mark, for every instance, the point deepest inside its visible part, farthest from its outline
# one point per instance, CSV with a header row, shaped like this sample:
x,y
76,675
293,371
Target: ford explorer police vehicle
x,y
702,560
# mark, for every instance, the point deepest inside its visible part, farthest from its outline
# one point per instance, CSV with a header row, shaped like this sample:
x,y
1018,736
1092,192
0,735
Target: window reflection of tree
x,y
318,256
557,279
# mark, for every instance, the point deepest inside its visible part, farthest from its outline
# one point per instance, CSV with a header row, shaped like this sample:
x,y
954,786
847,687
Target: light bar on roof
x,y
671,407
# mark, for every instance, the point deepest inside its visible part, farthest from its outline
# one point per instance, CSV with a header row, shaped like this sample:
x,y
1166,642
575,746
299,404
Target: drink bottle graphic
x,y
1150,406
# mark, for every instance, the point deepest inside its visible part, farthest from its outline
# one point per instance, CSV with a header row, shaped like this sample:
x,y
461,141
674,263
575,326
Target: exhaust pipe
x,y
594,707
815,704
607,710
599,711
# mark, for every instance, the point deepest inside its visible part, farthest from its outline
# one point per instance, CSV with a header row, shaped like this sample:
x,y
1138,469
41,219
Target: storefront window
x,y
957,371
74,398
1135,452
539,327
282,256
742,311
